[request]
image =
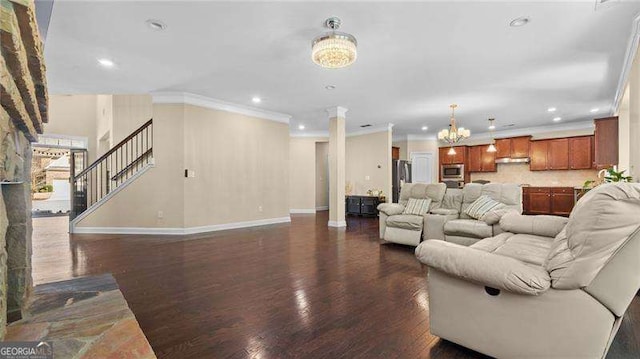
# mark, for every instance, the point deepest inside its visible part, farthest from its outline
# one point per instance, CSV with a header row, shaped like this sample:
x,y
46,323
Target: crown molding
x,y
582,125
372,129
632,48
321,134
215,104
337,111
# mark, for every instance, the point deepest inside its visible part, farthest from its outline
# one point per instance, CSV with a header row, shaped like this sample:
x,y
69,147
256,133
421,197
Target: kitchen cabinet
x,y
538,153
558,201
395,153
573,153
480,160
520,147
580,153
606,142
558,155
458,158
514,147
503,147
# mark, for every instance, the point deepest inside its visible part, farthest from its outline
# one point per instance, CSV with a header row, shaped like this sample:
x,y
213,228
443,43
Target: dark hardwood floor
x,y
299,290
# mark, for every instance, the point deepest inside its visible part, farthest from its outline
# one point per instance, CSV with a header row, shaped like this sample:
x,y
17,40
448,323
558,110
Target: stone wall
x,y
24,99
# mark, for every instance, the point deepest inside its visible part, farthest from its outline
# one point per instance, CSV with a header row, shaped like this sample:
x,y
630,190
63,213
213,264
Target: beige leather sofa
x,y
405,228
541,289
450,222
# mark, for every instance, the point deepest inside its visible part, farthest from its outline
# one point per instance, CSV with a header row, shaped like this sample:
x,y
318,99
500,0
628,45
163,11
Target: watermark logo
x,y
26,350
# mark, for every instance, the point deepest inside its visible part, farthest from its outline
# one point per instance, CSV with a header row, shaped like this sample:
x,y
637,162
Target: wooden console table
x,y
362,205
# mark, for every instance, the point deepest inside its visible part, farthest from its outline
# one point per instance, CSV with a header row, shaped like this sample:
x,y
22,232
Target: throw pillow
x,y
493,216
481,206
417,206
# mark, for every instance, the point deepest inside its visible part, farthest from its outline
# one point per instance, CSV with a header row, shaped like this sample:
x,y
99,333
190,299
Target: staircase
x,y
113,171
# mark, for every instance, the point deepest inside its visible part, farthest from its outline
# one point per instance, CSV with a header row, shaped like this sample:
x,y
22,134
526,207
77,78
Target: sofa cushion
x,y
417,206
546,226
508,194
527,248
468,227
445,211
406,221
482,205
390,209
600,223
493,216
435,191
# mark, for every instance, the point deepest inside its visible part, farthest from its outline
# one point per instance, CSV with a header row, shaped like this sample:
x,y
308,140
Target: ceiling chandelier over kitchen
x,y
454,134
334,49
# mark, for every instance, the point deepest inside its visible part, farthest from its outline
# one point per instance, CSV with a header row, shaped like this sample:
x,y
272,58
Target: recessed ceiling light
x,y
156,24
424,128
256,99
551,109
595,110
300,127
556,119
106,63
521,21
330,87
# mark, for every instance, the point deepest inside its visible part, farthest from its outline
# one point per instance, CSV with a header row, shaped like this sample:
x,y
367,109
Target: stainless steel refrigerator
x,y
401,174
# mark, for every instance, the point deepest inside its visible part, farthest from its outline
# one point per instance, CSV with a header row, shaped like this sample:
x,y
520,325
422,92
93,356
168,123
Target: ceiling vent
x,y
367,125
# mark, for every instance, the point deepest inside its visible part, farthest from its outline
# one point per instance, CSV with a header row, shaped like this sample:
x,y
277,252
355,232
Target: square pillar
x,y
337,166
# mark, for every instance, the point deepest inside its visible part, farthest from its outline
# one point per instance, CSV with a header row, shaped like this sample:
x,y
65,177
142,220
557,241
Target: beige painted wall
x,y
368,162
74,115
322,175
129,113
241,164
159,189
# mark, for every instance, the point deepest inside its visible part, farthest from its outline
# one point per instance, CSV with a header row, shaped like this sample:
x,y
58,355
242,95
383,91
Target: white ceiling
x,y
414,59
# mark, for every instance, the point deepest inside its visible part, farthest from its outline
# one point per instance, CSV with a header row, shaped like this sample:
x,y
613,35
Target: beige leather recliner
x,y
541,289
450,222
406,228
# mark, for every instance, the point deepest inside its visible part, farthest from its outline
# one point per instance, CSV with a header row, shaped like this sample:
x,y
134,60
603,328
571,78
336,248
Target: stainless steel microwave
x,y
452,172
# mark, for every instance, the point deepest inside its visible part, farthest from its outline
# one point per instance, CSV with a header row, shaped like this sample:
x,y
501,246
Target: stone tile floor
x,y
84,318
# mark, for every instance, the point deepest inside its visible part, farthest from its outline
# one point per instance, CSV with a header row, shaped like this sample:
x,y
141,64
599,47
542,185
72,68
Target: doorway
x,y
422,167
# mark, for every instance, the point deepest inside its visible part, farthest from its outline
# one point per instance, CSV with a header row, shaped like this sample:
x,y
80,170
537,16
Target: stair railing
x,y
112,169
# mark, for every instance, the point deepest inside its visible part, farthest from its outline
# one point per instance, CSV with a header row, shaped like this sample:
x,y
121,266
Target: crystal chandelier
x,y
454,134
334,50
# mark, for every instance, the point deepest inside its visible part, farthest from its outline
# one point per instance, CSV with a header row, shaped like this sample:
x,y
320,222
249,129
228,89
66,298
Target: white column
x,y
336,166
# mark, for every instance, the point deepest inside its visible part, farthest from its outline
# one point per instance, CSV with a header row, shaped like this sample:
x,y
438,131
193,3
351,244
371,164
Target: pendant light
x,y
492,146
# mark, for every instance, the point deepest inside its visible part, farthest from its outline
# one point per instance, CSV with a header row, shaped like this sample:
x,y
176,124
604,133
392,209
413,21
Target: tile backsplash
x,y
520,173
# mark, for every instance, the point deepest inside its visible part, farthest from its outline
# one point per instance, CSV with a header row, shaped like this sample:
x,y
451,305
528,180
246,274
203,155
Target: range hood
x,y
513,160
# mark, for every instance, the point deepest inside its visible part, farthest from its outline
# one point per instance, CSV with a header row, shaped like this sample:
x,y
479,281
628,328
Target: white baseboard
x,y
337,224
180,231
304,210
322,208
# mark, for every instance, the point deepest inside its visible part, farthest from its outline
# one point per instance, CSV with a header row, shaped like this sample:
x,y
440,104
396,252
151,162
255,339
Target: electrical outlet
x,y
367,178
259,208
160,214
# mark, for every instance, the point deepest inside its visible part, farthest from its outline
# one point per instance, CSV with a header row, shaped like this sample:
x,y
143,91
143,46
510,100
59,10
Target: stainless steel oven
x,y
452,172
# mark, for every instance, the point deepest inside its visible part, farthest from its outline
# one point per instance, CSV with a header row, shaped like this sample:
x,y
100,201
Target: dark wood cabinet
x,y
606,142
580,153
362,205
556,201
558,155
503,147
475,159
562,201
395,153
480,160
520,147
538,152
458,158
514,147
